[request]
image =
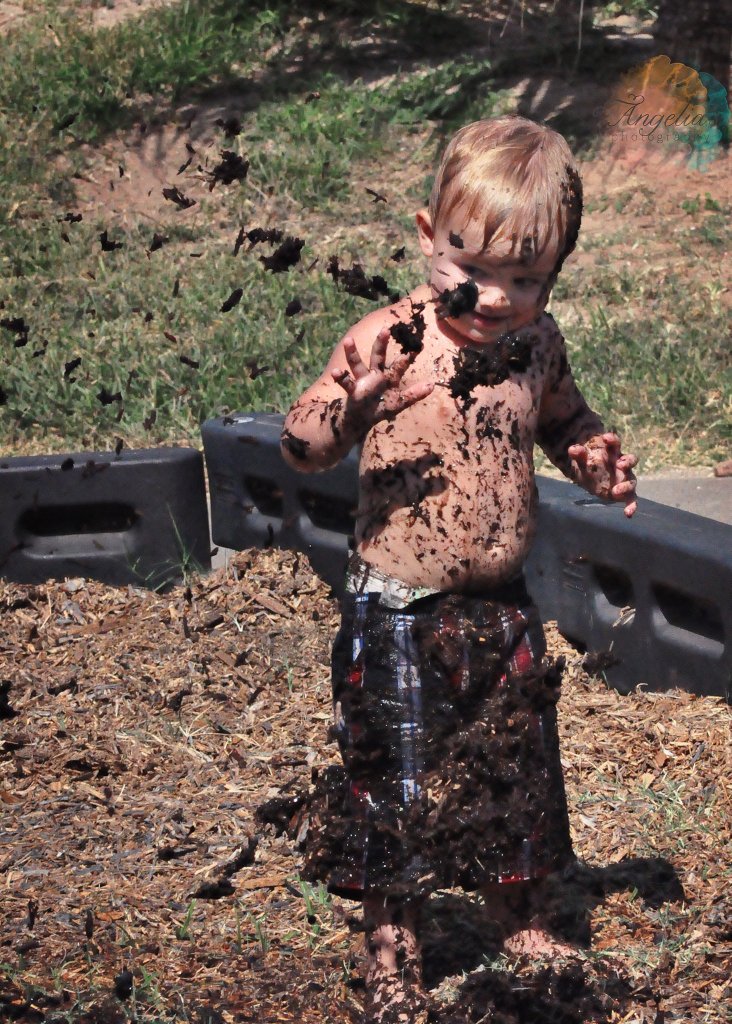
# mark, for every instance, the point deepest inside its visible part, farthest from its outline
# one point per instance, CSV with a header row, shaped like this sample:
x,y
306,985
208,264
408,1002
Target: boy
x,y
444,701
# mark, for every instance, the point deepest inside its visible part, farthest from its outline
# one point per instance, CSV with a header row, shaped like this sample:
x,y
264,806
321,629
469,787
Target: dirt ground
x,y
140,733
101,14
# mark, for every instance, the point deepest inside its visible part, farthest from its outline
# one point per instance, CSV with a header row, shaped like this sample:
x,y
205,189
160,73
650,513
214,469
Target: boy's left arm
x,y
574,437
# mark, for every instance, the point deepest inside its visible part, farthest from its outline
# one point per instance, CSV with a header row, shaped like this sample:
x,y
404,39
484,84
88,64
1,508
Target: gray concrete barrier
x,y
650,596
139,517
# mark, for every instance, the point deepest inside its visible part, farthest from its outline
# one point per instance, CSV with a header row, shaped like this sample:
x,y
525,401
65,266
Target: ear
x,y
425,233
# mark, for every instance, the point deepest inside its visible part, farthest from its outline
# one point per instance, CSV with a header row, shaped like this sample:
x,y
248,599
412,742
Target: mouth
x,y
489,321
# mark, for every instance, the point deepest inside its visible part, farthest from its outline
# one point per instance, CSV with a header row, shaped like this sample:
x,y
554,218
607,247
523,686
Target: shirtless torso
x,y
447,498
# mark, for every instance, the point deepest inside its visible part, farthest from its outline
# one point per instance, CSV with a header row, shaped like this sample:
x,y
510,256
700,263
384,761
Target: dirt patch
x,y
111,12
10,16
124,177
100,14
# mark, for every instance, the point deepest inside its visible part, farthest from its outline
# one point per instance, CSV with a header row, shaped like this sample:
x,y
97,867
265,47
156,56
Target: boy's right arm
x,y
356,390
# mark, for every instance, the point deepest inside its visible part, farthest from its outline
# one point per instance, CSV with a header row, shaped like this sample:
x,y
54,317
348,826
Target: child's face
x,y
511,294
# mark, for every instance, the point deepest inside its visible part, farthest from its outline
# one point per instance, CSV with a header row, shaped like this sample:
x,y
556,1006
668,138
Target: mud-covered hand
x,y
601,468
375,391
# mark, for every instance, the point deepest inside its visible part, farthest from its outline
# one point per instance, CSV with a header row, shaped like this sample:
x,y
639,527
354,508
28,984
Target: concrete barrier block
x,y
258,501
139,517
653,593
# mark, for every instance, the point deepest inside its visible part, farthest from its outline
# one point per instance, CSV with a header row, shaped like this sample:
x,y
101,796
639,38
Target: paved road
x,y
706,495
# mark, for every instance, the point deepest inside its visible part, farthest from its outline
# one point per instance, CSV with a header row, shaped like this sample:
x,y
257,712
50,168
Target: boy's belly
x,y
464,528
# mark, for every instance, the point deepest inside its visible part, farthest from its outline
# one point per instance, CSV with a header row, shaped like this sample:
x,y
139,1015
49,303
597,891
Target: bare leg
x,y
394,976
519,908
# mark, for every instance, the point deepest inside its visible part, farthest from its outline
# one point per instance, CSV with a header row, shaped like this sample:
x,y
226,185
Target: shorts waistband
x,y
363,578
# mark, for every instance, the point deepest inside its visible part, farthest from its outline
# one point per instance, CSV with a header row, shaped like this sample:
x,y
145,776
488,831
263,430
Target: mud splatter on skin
x,y
489,366
409,335
296,445
574,421
529,249
484,426
402,484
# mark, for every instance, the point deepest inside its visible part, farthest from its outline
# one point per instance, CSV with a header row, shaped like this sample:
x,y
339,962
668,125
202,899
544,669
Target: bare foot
x,y
535,941
520,913
391,1000
394,976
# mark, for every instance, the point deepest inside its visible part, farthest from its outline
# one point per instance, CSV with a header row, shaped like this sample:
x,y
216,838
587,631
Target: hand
x,y
600,467
375,392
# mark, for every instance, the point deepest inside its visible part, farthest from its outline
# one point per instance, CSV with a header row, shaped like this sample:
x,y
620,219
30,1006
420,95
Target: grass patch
x,y
147,327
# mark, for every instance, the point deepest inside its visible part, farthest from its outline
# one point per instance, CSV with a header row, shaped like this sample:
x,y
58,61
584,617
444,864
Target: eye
x,y
527,282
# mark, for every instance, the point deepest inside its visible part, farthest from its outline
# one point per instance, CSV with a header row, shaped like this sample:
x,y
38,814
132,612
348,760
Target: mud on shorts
x,y
445,714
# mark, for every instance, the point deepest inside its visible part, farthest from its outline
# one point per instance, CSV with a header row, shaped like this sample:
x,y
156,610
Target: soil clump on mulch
x,y
139,735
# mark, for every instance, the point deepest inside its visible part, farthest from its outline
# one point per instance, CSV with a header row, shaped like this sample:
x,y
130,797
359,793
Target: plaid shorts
x,y
444,711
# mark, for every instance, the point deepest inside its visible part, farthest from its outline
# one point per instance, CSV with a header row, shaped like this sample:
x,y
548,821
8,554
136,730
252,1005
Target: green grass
x,y
310,163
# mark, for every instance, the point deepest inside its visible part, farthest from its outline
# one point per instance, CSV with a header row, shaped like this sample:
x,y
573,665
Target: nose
x,y
492,297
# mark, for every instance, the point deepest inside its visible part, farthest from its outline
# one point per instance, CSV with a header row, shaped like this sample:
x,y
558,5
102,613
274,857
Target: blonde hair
x,y
517,176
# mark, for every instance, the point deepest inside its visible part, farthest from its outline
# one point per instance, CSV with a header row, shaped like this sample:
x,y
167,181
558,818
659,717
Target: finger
x,y
611,440
345,380
416,393
631,507
627,461
378,352
579,453
356,364
623,489
394,403
396,370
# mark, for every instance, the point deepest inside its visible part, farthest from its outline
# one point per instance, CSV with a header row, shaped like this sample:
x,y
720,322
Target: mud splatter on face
x,y
453,302
529,249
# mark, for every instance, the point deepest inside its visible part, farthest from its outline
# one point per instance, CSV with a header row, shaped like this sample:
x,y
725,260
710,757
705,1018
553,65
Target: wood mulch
x,y
140,732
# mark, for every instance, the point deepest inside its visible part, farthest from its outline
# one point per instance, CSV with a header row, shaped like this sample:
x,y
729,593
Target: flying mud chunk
x,y
174,195
285,256
354,281
230,168
453,302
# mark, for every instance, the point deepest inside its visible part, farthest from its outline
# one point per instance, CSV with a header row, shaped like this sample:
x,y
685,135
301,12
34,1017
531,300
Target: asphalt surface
x,y
707,495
